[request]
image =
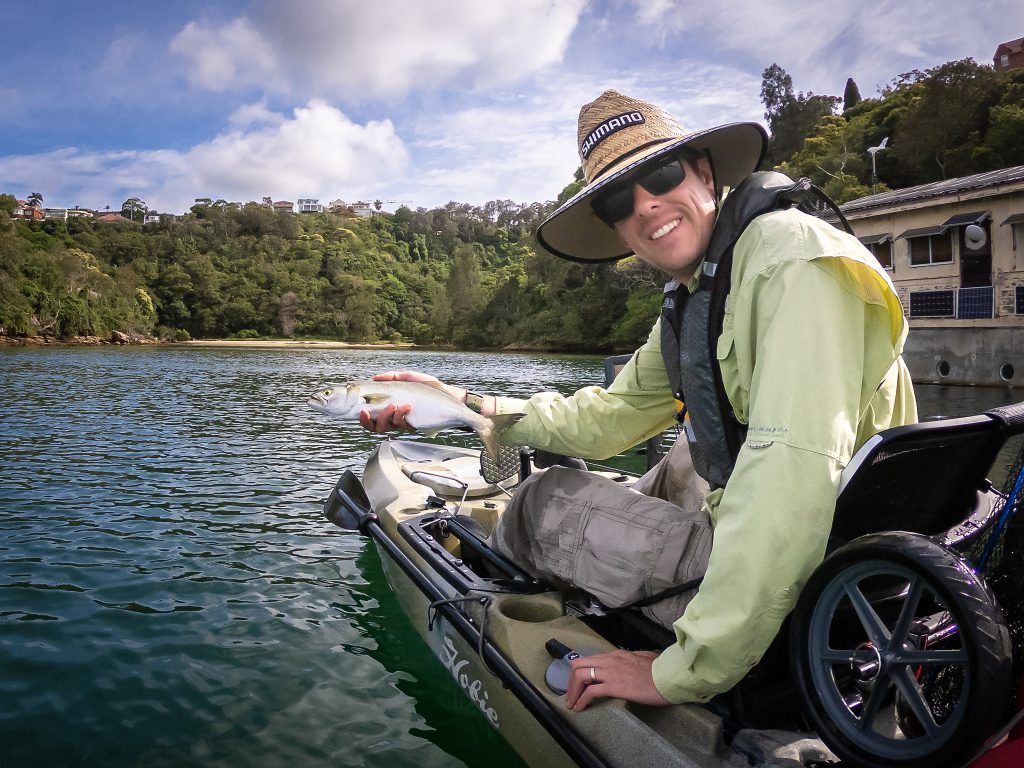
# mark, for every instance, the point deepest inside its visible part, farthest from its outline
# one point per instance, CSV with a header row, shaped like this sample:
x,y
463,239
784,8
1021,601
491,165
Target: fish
x,y
433,409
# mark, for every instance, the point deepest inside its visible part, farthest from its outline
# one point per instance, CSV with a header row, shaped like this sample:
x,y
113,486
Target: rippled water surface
x,y
170,594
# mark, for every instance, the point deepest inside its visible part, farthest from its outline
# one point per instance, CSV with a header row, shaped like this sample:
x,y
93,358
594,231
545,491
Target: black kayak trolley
x,y
902,645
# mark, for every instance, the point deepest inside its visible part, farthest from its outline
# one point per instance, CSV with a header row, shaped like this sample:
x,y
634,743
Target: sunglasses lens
x,y
617,204
661,180
614,206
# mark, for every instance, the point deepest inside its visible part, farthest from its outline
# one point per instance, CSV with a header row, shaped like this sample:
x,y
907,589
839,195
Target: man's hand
x,y
393,417
619,674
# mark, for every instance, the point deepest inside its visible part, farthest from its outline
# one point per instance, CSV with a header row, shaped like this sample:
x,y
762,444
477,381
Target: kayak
x,y
900,651
504,637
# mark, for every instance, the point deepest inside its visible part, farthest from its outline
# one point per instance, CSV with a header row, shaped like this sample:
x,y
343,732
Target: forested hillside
x,y
461,275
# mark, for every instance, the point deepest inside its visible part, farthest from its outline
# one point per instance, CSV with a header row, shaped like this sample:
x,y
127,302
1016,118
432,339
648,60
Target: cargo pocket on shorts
x,y
557,532
619,550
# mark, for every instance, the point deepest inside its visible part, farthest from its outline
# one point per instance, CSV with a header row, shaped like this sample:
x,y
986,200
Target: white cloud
x,y
317,151
120,55
357,51
524,149
822,42
227,57
255,114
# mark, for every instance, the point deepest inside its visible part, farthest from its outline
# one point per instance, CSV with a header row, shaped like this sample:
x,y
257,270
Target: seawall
x,y
971,356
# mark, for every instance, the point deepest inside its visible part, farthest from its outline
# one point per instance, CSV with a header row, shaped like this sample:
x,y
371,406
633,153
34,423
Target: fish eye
x,y
326,392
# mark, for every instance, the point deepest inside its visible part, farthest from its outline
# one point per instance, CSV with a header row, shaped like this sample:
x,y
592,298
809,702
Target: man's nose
x,y
644,201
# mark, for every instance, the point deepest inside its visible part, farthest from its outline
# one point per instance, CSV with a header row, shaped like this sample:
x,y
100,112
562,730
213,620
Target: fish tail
x,y
492,427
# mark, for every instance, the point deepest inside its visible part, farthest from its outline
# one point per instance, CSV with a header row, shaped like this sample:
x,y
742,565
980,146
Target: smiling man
x,y
778,349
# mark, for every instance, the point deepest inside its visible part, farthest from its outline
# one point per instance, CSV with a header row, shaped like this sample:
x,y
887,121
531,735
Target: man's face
x,y
671,231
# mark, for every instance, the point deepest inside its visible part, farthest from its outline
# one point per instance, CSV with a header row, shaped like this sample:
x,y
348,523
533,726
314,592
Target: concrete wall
x,y
979,356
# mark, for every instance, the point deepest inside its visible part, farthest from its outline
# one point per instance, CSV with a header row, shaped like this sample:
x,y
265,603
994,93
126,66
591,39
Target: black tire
x,y
877,693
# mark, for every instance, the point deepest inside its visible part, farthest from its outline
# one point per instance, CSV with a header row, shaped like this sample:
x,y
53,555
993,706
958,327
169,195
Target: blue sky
x,y
418,101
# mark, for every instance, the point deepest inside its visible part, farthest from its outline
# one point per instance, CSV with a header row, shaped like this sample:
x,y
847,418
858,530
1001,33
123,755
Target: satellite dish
x,y
974,237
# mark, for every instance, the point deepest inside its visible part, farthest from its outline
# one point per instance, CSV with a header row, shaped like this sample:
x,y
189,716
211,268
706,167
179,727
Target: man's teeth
x,y
665,230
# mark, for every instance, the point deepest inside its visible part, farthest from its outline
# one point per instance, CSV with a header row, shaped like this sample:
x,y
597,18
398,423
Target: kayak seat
x,y
923,478
447,473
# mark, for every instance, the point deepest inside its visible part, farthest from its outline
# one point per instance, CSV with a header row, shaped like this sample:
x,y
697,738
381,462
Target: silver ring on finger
x,y
593,674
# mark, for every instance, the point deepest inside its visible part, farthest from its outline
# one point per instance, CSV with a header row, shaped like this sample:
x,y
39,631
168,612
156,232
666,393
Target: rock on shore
x,y
116,338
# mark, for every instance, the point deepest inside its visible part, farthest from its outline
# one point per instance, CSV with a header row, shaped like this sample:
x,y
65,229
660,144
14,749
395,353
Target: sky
x,y
412,102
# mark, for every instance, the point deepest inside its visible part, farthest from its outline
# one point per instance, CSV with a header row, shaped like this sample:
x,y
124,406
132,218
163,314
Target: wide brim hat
x,y
616,135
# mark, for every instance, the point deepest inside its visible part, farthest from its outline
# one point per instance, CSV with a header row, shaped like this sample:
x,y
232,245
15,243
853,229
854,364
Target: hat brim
x,y
574,231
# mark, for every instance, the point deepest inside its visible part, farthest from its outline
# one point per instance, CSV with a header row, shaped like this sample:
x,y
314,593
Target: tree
x,y
35,200
943,113
776,91
790,118
131,205
832,158
851,95
1003,140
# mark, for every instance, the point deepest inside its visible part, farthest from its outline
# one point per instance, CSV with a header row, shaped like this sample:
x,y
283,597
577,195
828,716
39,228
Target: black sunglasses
x,y
616,203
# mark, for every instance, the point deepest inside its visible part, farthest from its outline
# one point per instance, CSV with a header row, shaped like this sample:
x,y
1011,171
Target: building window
x,y
882,252
1019,303
933,249
933,303
880,247
1004,60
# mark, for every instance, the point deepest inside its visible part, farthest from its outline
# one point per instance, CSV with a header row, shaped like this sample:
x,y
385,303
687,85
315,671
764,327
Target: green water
x,y
170,594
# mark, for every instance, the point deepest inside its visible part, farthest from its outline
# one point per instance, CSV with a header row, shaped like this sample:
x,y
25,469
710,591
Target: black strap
x,y
657,597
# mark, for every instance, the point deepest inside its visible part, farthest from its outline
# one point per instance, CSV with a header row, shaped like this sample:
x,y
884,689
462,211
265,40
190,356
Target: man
x,y
803,357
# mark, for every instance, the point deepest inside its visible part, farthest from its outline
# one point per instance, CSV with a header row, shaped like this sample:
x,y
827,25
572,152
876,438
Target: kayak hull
x,y
489,634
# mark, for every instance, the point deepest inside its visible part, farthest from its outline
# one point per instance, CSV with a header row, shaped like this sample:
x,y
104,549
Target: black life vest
x,y
692,323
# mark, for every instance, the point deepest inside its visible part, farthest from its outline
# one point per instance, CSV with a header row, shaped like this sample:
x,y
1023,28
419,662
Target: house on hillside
x,y
362,209
80,213
25,211
955,252
112,218
1009,56
55,214
310,205
283,206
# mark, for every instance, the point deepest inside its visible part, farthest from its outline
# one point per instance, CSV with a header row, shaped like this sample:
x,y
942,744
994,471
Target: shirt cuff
x,y
504,406
668,670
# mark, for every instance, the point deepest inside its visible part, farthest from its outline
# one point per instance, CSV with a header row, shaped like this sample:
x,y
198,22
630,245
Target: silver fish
x,y
433,409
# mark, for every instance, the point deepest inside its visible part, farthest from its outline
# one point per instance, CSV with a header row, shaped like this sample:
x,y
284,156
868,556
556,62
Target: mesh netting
x,y
1004,570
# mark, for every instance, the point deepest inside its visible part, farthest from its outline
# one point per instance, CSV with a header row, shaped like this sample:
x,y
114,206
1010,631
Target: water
x,y
170,594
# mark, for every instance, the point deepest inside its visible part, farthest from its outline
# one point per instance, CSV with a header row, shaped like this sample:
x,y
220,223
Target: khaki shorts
x,y
619,544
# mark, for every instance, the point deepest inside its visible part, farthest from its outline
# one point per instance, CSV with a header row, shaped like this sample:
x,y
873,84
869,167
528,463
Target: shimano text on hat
x,y
607,128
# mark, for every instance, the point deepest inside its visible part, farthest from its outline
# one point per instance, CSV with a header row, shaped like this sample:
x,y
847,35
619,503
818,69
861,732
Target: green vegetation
x,y
460,275
952,120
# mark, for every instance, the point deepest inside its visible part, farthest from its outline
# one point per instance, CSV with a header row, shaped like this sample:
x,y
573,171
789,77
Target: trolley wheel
x,y
901,655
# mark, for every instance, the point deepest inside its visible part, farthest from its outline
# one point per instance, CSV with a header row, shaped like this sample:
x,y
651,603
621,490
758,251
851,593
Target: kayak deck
x,y
488,623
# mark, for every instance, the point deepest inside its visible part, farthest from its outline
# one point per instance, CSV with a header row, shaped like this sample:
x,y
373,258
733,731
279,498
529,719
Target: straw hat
x,y
616,134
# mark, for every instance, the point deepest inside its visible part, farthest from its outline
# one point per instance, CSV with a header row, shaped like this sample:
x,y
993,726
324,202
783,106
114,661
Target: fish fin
x,y
373,398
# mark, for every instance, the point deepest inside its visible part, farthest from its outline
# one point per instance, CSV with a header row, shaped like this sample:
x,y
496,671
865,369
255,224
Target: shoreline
x,y
288,343
95,341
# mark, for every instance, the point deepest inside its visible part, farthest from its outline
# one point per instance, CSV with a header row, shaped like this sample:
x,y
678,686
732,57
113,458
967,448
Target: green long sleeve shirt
x,y
810,358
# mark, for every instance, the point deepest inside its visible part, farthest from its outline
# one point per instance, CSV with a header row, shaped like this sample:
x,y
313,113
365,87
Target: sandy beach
x,y
288,343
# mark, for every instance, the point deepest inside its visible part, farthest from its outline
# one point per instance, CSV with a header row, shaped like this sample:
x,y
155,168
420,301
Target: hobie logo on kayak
x,y
473,688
